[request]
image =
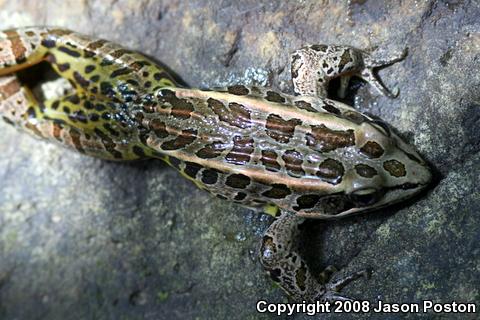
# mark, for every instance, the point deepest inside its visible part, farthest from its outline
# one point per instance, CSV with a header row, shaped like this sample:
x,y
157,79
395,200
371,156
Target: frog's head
x,y
381,169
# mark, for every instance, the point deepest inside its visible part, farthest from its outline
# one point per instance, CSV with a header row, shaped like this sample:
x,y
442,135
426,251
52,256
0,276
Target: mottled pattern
x,y
293,163
325,139
365,170
238,90
280,129
372,150
306,201
241,151
269,160
274,97
185,138
331,171
237,181
306,155
235,114
277,191
211,150
305,106
179,108
395,168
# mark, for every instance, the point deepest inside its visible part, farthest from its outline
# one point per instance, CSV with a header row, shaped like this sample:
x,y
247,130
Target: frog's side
x,y
307,155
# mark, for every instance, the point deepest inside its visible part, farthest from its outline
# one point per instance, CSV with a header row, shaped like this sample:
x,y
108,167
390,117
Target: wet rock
x,y
85,238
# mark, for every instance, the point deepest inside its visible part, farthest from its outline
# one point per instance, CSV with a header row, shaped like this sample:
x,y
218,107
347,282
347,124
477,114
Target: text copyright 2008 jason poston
x,y
426,306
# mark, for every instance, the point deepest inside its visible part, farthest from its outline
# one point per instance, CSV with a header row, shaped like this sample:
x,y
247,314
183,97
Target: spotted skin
x,y
307,155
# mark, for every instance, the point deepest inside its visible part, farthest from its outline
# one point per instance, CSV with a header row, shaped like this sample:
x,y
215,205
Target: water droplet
x,y
240,236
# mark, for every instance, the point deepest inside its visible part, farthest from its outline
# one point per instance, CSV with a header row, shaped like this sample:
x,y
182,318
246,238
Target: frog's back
x,y
257,146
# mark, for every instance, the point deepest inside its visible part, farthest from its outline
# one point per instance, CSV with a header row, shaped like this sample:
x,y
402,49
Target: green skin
x,y
296,157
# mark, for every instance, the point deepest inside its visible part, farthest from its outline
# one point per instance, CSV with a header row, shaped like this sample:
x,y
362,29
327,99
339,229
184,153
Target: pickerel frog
x,y
305,156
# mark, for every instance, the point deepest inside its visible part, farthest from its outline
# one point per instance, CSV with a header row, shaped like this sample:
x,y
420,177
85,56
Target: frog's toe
x,y
332,296
327,273
371,62
331,291
369,76
339,283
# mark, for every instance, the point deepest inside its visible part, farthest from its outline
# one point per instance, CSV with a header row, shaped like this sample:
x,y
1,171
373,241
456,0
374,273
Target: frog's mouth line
x,y
415,187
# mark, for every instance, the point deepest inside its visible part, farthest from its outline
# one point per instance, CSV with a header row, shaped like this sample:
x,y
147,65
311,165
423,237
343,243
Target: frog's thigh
x,y
88,126
64,120
15,100
281,259
19,51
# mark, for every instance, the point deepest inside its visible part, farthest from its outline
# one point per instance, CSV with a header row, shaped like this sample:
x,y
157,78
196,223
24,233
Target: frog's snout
x,y
418,172
421,174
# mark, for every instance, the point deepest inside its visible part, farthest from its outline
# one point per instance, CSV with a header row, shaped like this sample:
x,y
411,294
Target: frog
x,y
295,156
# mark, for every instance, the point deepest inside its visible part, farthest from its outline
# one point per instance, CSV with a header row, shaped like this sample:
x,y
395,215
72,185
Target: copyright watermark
x,y
359,306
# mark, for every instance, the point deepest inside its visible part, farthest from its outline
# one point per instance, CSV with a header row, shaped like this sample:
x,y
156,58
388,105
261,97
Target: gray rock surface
x,y
82,238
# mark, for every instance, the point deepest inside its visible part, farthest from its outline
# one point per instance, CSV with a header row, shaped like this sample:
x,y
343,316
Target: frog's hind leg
x,y
20,49
313,67
46,120
281,259
367,73
73,121
15,101
92,66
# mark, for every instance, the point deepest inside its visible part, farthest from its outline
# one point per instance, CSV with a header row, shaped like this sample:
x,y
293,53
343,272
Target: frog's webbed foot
x,y
369,76
281,259
313,67
334,286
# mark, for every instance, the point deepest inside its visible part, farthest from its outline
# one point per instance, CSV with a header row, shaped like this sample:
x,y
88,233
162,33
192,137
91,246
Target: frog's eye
x,y
366,197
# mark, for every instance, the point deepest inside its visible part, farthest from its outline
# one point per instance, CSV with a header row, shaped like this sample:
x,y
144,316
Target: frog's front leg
x,y
314,66
281,259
